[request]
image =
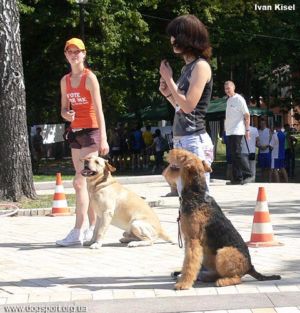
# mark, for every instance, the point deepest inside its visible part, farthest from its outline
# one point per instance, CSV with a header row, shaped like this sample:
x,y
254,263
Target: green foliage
x,y
126,41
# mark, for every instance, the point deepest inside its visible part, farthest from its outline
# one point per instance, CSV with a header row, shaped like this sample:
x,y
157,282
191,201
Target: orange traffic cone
x,y
59,205
262,230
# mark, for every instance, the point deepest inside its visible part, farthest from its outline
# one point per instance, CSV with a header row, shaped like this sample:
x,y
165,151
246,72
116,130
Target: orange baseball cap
x,y
76,42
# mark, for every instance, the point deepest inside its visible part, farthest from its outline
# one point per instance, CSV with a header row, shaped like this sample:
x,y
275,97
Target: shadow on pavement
x,y
98,283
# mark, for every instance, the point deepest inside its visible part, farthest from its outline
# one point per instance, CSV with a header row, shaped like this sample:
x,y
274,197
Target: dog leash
x,y
180,243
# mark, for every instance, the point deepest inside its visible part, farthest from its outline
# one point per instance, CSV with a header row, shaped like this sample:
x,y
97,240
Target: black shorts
x,y
84,138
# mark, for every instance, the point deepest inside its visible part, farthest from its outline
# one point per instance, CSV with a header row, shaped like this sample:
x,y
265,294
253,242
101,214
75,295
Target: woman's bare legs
x,y
80,186
76,236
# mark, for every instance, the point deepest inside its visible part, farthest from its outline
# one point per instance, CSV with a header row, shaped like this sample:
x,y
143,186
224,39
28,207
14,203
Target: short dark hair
x,y
191,35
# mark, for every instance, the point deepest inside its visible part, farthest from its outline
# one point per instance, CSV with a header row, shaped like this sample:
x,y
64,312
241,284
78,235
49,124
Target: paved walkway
x,y
36,275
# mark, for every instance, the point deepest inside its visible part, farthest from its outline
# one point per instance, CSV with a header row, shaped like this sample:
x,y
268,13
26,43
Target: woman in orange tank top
x,y
81,105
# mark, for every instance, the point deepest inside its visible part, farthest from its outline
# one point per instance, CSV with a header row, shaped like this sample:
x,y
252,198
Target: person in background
x,y
237,126
115,147
37,144
124,143
148,140
136,145
249,150
277,144
228,157
264,152
190,95
81,105
290,144
157,146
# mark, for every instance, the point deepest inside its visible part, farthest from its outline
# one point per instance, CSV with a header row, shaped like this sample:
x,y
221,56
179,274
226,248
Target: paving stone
x,y
37,266
38,298
287,310
81,296
144,293
263,310
104,294
19,298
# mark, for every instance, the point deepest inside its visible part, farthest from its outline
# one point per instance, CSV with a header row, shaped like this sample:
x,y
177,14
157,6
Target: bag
x,y
251,156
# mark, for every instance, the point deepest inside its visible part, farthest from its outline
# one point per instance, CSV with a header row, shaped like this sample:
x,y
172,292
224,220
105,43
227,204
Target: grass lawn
x,y
50,177
44,201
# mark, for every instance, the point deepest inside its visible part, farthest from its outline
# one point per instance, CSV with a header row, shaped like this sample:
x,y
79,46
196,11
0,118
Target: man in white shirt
x,y
249,150
237,125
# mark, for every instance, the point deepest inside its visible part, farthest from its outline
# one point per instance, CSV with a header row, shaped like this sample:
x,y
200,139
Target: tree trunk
x,y
15,163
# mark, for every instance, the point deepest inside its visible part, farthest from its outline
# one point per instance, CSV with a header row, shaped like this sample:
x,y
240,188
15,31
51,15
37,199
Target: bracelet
x,y
247,130
170,95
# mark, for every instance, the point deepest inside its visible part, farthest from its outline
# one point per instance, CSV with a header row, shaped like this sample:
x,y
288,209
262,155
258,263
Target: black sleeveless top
x,y
191,123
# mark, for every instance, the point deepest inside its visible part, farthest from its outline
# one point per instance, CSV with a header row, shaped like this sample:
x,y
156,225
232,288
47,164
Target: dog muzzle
x,y
86,172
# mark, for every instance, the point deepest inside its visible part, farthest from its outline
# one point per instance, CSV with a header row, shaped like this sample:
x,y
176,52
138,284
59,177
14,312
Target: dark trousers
x,y
290,162
159,159
240,167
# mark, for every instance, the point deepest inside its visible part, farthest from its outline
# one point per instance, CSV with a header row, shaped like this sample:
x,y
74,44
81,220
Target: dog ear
x,y
207,168
109,167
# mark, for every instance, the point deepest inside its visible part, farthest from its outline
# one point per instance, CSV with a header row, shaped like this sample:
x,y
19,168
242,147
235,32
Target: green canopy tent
x,y
164,111
216,110
156,112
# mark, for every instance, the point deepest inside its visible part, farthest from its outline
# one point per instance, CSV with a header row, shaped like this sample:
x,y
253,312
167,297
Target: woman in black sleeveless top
x,y
191,94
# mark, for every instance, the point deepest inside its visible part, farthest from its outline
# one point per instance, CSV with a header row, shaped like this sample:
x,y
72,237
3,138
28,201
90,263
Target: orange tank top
x,y
81,102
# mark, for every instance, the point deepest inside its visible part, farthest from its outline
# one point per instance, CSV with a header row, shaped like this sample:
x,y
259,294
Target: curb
x,y
125,180
46,211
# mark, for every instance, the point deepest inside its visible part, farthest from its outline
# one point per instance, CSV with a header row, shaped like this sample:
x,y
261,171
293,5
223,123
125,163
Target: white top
x,y
277,143
235,110
264,139
274,143
158,146
251,142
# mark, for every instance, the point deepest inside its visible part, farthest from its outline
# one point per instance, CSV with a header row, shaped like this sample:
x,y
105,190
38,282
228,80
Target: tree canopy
x,y
126,40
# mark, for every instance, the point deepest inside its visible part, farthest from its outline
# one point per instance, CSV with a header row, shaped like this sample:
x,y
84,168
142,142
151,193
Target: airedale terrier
x,y
210,238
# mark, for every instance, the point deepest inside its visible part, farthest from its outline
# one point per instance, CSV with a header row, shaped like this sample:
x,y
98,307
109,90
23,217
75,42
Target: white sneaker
x,y
75,237
88,234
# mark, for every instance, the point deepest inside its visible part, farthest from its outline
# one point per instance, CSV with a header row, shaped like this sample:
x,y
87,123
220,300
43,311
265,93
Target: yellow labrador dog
x,y
116,205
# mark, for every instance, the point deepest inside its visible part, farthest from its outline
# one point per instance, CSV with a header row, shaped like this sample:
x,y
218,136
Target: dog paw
x,y
133,244
96,245
182,286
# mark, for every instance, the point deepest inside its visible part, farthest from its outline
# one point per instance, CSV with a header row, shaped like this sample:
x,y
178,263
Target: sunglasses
x,y
75,52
